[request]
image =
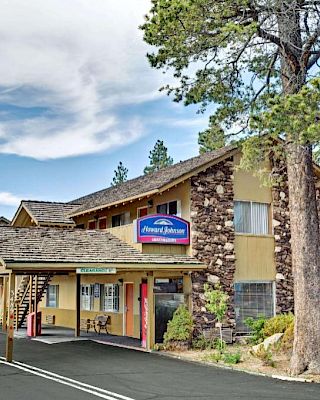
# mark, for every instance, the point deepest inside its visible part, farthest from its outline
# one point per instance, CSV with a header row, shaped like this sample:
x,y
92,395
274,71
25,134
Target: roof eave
x,y
163,188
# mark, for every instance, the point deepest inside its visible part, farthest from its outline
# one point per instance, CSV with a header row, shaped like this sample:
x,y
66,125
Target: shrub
x,y
213,357
180,327
287,339
277,324
201,343
256,326
264,355
231,358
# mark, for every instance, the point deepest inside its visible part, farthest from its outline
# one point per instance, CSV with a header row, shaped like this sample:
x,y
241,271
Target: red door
x,y
129,309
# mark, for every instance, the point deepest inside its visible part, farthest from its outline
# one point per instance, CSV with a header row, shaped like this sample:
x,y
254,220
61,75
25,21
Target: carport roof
x,y
57,245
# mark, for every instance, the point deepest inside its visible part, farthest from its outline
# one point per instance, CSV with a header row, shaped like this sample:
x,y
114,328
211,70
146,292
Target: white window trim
x,y
171,201
91,297
56,296
270,225
103,299
127,216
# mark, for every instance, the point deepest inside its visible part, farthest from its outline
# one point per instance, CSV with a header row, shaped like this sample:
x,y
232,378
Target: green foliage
x,y
286,343
231,358
278,324
201,343
159,158
256,326
212,138
216,301
120,175
180,327
213,357
264,355
220,345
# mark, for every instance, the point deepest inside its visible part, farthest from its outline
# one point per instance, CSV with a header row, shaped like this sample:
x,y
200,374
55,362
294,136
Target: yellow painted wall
x,y
180,192
254,253
255,258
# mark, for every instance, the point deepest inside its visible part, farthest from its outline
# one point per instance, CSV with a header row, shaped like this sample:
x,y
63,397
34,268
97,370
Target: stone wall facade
x,y
212,237
281,228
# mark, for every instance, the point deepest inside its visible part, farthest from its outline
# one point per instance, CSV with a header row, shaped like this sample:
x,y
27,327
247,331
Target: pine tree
x,y
120,175
159,158
212,138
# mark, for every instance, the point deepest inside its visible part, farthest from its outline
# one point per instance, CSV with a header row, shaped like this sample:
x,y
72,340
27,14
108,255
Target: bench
x,y
100,322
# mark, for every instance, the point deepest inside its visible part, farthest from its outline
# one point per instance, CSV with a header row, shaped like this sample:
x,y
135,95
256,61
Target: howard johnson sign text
x,y
161,228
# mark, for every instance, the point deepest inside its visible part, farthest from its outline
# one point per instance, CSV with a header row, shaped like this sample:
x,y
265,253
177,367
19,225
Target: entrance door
x,y
129,309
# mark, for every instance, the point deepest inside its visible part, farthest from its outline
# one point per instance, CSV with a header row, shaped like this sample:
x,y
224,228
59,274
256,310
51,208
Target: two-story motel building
x,y
138,250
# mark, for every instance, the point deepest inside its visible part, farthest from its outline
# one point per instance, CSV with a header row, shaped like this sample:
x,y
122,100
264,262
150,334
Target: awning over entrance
x,y
47,252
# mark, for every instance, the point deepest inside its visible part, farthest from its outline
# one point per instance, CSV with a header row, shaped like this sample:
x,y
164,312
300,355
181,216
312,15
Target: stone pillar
x,y
282,236
212,237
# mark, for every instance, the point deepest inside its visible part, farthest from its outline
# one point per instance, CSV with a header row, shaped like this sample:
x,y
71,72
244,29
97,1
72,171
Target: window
x,y
110,297
142,212
253,299
102,223
86,297
171,208
121,219
92,224
251,217
53,296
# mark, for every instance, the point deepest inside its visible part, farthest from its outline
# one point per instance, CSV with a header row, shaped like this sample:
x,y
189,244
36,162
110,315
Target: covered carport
x,y
32,253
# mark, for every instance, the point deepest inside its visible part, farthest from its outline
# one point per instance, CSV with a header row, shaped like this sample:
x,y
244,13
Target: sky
x,y
77,96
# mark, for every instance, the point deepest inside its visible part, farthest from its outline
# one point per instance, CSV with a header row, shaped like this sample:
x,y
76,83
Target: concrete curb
x,y
227,367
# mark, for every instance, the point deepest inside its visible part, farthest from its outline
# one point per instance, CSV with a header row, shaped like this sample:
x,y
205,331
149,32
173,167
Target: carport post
x,y
151,322
4,304
35,306
10,323
77,321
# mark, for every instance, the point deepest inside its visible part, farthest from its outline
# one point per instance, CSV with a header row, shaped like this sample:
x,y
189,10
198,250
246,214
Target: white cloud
x,y
9,199
78,61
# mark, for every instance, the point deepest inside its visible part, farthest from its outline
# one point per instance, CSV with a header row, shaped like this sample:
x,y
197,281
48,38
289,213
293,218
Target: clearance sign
x,y
161,228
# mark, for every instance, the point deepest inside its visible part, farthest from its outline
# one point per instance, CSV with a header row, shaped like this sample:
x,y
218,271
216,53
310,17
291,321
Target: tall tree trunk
x,y
305,239
305,245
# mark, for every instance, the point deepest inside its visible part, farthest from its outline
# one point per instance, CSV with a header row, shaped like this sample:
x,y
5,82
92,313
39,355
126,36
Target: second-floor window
x,y
170,208
120,219
251,217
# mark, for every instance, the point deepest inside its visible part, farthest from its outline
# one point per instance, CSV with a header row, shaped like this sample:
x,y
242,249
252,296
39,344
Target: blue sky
x,y
77,96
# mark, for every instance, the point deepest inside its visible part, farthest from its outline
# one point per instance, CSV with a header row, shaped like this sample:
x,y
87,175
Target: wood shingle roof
x,y
151,183
56,245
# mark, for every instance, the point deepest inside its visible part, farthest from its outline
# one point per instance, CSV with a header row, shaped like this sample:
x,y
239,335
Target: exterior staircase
x,y
30,287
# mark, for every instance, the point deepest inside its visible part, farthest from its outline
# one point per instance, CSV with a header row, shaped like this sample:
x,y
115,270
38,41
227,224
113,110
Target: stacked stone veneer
x,y
281,228
212,236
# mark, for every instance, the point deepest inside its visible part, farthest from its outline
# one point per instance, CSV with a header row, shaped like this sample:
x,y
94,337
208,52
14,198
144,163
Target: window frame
x,y
91,296
178,214
126,219
56,304
101,219
273,294
269,221
95,222
142,208
115,297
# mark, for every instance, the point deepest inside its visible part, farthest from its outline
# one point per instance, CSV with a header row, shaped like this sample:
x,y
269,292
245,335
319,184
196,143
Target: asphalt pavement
x,y
88,370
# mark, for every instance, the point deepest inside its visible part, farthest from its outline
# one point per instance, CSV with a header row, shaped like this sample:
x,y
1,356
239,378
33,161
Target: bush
x,y
264,355
180,328
231,358
287,339
256,326
201,343
277,324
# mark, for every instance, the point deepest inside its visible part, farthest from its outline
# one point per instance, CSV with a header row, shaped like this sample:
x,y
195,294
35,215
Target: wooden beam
x,y
77,319
35,306
4,304
10,323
